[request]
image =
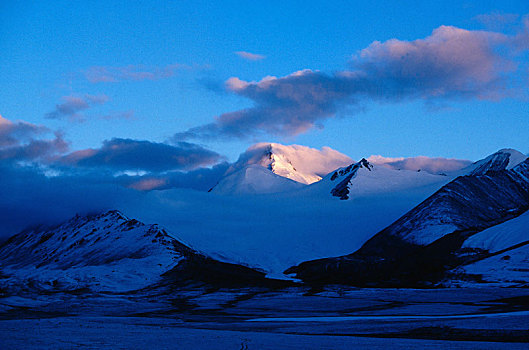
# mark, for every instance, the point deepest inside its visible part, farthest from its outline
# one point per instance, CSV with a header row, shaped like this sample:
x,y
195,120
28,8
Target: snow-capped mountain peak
x,y
106,250
272,168
504,159
254,179
346,174
351,169
365,179
299,163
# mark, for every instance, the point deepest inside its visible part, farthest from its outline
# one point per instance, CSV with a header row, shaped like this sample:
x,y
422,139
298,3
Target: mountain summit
x,y
109,252
299,163
272,167
504,159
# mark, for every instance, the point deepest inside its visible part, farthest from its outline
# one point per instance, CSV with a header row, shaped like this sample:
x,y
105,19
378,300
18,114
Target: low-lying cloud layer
x,y
451,63
431,165
42,182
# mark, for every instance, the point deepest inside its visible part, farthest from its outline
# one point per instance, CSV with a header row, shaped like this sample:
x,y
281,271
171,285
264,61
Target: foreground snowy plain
x,y
139,333
200,317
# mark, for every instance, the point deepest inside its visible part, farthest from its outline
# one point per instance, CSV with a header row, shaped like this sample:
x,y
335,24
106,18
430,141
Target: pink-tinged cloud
x,y
72,107
148,184
497,20
250,56
521,40
25,142
102,74
450,64
13,133
434,165
284,106
126,115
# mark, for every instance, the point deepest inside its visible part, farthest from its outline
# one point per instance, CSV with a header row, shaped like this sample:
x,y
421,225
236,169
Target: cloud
x,y
35,150
12,133
102,74
521,40
201,179
72,106
451,63
431,165
148,184
126,115
25,142
133,155
250,56
497,20
41,183
31,198
285,106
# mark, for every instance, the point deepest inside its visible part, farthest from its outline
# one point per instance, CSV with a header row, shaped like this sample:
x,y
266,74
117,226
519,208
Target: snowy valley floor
x,y
294,318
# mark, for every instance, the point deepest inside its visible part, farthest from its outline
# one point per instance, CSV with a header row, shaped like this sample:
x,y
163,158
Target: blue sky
x,y
150,70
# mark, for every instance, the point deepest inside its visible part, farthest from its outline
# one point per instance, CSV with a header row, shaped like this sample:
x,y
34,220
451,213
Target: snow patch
x,y
501,236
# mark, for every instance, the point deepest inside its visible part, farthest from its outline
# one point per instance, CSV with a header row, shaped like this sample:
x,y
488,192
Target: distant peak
x,y
504,159
509,150
110,214
352,169
114,214
295,162
365,163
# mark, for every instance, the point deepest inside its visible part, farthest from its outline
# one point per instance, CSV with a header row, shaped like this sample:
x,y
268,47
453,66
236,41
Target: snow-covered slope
x,y
363,179
107,252
507,268
299,163
329,171
254,179
288,225
502,236
490,192
433,165
505,248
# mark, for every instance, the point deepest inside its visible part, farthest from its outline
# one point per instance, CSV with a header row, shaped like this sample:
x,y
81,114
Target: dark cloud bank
x,y
133,155
41,181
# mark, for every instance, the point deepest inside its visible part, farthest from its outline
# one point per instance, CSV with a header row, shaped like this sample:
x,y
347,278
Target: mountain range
x,y
426,242
292,212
